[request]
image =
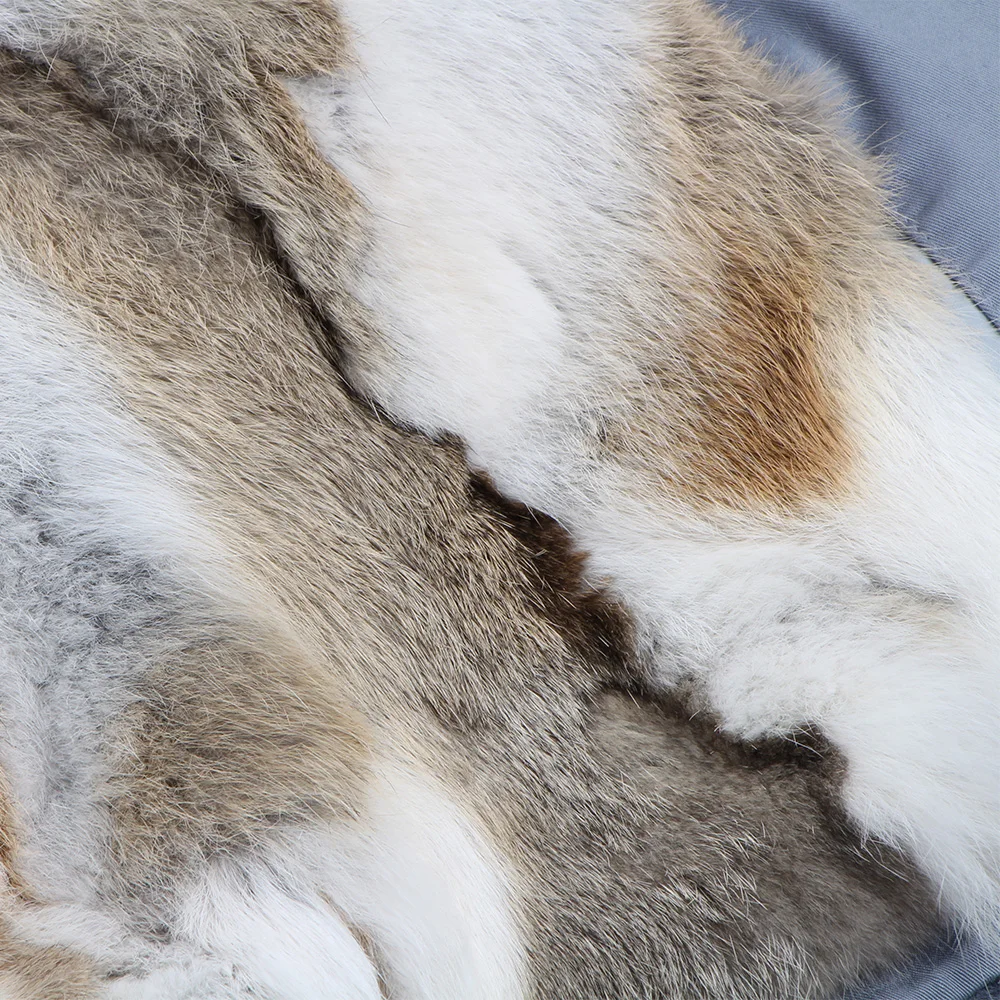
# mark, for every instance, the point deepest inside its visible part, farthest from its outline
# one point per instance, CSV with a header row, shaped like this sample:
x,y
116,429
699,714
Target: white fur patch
x,y
484,139
434,896
284,939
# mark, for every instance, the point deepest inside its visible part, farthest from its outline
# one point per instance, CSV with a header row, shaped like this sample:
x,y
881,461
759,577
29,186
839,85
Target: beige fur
x,y
29,973
399,610
650,859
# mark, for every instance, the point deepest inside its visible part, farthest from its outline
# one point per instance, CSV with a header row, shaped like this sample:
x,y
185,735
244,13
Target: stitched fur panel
x,y
342,702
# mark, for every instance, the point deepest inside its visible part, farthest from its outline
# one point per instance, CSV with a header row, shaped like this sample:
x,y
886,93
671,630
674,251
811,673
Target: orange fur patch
x,y
767,427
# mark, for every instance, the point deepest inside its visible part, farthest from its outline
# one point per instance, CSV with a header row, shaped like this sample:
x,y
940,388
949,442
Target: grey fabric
x,y
921,80
952,970
990,992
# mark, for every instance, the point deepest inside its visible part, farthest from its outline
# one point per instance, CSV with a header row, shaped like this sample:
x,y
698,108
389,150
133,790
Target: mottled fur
x,y
326,654
654,290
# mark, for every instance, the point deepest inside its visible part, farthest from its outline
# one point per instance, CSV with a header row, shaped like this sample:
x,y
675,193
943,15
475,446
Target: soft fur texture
x,y
296,710
654,290
505,818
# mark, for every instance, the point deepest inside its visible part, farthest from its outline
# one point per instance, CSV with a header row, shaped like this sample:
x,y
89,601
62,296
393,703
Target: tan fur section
x,y
229,743
759,281
244,127
30,973
163,67
647,862
760,427
241,728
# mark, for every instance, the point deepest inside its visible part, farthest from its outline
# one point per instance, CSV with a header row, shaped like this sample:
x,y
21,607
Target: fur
x,y
289,708
655,291
597,243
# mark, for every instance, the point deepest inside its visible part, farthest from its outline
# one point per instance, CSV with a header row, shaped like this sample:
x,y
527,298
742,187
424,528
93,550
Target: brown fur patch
x,y
595,624
765,428
228,743
768,226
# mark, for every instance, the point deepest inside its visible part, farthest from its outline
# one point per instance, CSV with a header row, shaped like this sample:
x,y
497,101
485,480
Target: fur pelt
x,y
296,708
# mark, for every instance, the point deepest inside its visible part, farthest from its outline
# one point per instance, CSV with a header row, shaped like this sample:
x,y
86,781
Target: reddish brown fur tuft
x,y
764,425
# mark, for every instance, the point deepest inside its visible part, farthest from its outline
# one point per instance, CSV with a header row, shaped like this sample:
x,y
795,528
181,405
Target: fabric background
x,y
952,970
